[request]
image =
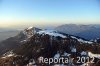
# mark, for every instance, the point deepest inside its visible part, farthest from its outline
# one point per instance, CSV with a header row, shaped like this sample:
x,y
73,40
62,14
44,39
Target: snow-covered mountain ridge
x,y
36,43
32,30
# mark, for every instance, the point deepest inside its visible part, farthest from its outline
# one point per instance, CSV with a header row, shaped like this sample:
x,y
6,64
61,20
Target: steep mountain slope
x,y
86,31
14,42
37,43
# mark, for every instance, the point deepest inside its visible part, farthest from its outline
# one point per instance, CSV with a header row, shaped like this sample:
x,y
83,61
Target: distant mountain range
x,y
88,32
32,43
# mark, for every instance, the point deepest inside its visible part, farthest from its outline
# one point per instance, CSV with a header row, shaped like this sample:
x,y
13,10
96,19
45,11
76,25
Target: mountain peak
x,y
32,28
30,31
48,44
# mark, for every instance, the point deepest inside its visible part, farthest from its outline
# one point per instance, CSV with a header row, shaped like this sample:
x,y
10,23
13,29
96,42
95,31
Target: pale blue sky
x,y
49,12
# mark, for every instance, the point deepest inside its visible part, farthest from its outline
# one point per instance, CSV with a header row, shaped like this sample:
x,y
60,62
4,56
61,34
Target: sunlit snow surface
x,y
52,33
9,54
32,30
81,40
94,55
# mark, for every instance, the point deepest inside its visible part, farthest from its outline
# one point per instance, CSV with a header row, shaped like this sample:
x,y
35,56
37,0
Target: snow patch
x,y
57,56
52,33
29,28
81,40
83,53
9,54
73,50
94,55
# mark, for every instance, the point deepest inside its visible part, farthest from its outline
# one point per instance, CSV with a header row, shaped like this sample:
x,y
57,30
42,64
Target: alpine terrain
x,y
30,45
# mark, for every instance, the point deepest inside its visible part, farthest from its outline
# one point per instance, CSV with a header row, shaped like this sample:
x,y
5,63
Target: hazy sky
x,y
48,12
